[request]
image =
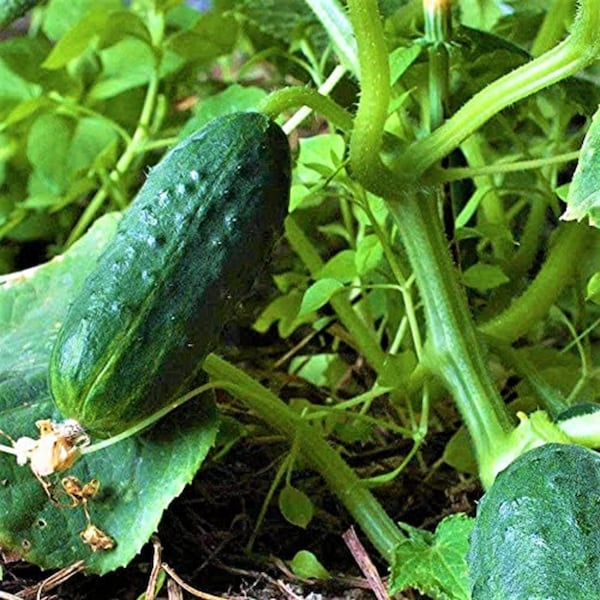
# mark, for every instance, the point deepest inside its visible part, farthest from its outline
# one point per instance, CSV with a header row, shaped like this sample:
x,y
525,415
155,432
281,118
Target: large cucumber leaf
x,y
138,476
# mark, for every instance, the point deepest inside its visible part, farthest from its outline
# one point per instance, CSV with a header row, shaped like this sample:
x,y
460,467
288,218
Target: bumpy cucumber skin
x,y
537,534
185,253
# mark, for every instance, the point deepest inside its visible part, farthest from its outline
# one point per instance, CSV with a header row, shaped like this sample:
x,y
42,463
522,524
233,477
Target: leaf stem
x,y
453,350
340,478
564,60
290,97
458,173
534,303
132,151
363,336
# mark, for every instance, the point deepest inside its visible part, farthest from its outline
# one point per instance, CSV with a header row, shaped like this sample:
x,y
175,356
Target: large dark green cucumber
x,y
537,533
185,252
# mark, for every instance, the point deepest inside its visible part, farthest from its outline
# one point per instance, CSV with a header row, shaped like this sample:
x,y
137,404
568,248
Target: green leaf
x,y
326,369
400,59
48,152
212,36
434,563
458,453
281,19
14,88
593,289
126,65
233,99
480,14
340,267
283,311
483,277
135,487
369,254
62,15
295,506
318,294
77,40
583,199
307,566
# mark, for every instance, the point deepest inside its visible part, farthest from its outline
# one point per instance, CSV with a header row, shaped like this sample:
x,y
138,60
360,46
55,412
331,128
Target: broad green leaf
x,y
480,14
401,59
583,199
307,566
62,15
369,254
126,65
458,453
60,148
318,294
483,277
397,368
325,369
91,137
593,289
295,506
233,99
48,152
434,563
139,476
77,40
340,267
212,36
14,88
280,19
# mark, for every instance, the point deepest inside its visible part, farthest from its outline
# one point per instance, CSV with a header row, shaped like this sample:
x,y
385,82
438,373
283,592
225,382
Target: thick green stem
x,y
566,59
372,112
340,478
292,97
542,293
558,16
453,350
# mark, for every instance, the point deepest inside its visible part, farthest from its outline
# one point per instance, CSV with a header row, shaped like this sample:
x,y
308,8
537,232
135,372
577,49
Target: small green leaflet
x,y
583,199
138,476
434,563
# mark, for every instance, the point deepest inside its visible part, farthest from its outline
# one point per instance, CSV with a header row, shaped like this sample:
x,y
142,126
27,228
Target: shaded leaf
x,y
212,36
318,294
340,267
295,506
483,277
369,254
128,64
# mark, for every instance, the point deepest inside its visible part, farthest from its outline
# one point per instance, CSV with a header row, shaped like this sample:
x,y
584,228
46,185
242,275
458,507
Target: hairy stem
x,y
564,60
340,478
542,293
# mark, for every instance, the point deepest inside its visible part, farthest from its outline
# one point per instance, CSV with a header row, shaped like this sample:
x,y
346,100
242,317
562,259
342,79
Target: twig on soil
x,y
174,591
155,572
188,588
365,563
51,582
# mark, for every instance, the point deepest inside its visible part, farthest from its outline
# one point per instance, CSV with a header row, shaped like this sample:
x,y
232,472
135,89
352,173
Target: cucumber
x,y
537,531
186,251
